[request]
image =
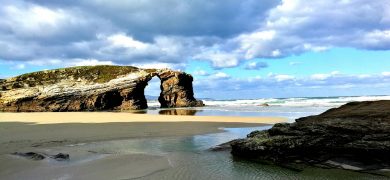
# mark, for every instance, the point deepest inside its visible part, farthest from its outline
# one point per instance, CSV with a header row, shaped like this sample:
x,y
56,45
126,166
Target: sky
x,y
235,49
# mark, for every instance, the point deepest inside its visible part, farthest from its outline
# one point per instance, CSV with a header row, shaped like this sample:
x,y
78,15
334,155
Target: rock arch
x,y
94,88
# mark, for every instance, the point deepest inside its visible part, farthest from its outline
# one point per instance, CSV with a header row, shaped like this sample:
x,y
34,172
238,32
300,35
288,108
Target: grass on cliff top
x,y
98,74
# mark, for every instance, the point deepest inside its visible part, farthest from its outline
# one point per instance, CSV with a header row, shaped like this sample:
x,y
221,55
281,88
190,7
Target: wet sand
x,y
51,129
107,117
43,132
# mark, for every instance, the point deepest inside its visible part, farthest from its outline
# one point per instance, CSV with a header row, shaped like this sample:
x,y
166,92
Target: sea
x,y
289,108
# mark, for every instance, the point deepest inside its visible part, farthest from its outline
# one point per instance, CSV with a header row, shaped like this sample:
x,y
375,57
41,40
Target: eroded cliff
x,y
93,88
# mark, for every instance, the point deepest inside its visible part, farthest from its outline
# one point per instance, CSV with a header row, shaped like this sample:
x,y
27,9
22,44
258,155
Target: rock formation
x,y
93,88
40,156
355,136
176,90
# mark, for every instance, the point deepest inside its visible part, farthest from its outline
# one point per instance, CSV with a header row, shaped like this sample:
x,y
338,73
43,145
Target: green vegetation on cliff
x,y
96,74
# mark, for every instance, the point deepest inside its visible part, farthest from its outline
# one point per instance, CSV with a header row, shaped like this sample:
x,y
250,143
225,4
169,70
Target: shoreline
x,y
113,117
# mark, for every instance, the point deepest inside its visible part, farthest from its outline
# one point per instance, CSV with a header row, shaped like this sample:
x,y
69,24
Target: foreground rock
x,y
355,136
93,88
40,156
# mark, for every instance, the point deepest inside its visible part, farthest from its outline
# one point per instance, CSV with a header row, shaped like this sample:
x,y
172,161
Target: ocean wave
x,y
296,102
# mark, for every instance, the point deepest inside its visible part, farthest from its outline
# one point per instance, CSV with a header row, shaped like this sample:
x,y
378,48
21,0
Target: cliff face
x,y
92,88
176,90
355,135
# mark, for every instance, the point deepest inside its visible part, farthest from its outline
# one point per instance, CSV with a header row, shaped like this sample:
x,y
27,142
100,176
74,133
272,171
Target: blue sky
x,y
236,49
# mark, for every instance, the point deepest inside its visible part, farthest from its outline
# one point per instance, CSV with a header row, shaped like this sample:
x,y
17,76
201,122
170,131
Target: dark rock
x,y
40,156
61,157
264,105
355,135
30,155
224,146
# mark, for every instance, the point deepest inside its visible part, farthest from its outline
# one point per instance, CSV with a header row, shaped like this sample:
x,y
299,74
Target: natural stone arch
x,y
94,88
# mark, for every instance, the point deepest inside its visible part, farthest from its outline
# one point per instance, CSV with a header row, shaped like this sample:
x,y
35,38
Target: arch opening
x,y
152,92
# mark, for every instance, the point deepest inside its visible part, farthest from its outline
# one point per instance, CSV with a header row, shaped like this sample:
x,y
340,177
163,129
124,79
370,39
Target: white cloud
x,y
282,85
159,65
283,77
134,32
321,77
33,19
121,40
88,62
220,75
256,65
19,66
386,74
219,59
200,73
297,26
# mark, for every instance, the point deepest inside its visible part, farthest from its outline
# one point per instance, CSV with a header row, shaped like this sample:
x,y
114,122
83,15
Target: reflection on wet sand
x,y
143,111
186,112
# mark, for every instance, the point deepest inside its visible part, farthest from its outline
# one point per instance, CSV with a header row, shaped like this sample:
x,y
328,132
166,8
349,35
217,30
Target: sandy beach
x,y
109,117
49,128
53,133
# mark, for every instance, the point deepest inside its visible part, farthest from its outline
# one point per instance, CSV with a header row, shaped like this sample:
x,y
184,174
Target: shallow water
x,y
190,158
291,113
290,108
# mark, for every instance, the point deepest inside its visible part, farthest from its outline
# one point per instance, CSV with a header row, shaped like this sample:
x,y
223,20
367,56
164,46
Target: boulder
x,y
30,155
60,157
40,156
355,135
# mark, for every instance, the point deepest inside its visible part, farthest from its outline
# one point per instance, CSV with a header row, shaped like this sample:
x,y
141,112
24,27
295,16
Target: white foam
x,y
295,102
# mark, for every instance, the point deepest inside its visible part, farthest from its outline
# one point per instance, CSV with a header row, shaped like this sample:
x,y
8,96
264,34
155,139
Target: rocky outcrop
x,y
354,136
40,156
93,88
176,90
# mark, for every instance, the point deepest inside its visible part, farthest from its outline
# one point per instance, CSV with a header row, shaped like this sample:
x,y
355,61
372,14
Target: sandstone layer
x,y
93,88
354,136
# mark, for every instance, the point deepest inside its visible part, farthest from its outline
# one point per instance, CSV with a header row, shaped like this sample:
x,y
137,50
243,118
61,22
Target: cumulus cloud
x,y
88,62
200,72
284,85
297,26
321,77
256,65
220,75
123,31
148,18
173,31
219,59
177,66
